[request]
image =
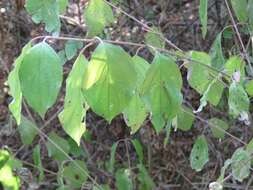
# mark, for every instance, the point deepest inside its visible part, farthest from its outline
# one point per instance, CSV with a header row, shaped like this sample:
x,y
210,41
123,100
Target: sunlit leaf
x,y
98,15
218,127
235,64
27,130
14,84
199,154
241,164
203,16
74,112
249,88
46,11
40,77
109,81
198,74
62,5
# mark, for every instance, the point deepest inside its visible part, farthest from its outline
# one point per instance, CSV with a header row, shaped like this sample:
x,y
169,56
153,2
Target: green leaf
x,y
112,158
8,180
74,112
46,11
139,150
216,53
218,127
98,15
109,81
62,5
161,89
184,119
27,131
241,164
146,182
250,13
40,77
238,100
62,56
14,84
153,38
203,16
37,162
56,147
249,88
240,9
123,180
215,92
71,48
198,74
136,112
75,174
249,147
199,154
4,157
235,64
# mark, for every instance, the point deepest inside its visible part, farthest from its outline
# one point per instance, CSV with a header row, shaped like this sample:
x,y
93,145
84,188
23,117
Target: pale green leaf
x,y
218,127
198,74
109,81
249,147
46,11
62,5
98,15
56,147
249,88
71,48
153,38
14,84
199,154
161,90
123,180
235,64
73,114
27,130
240,9
238,100
75,174
215,92
62,56
216,53
37,162
184,119
40,77
203,16
241,164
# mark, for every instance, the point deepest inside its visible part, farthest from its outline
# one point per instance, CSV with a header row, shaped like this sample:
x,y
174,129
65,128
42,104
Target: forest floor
x,y
168,165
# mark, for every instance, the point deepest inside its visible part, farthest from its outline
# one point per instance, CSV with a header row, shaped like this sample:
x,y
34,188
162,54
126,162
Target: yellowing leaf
x,y
73,114
14,84
97,15
40,77
109,81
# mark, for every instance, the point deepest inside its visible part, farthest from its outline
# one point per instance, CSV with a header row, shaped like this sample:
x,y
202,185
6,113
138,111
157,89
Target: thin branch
x,y
239,36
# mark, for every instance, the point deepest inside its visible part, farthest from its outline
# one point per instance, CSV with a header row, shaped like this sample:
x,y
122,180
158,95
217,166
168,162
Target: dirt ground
x,y
169,166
